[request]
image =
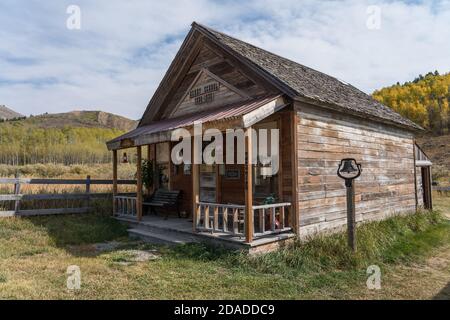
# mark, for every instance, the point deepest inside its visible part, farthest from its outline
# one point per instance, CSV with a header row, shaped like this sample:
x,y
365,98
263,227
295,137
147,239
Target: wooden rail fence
x,y
17,197
442,190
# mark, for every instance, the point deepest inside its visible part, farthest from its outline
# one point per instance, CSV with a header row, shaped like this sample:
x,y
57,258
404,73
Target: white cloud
x,y
117,59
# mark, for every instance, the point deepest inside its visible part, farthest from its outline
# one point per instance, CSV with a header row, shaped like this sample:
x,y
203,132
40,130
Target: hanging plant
x,y
148,174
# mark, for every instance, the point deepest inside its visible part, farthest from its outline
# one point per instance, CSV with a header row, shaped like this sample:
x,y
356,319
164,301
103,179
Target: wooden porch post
x,y
249,189
139,183
114,180
195,186
295,215
151,156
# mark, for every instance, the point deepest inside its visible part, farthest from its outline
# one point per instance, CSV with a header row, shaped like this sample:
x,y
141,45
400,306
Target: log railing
x,y
230,218
125,205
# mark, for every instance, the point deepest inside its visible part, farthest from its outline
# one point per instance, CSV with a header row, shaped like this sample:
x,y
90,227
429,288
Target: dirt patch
x,y
128,257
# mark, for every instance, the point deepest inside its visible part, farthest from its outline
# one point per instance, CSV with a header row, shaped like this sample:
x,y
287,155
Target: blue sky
x,y
117,58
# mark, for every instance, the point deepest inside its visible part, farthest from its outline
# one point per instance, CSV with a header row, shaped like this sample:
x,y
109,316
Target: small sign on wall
x,y
233,174
204,93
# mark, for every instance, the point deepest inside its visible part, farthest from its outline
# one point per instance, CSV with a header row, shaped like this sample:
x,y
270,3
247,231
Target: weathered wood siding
x,y
385,187
221,65
222,96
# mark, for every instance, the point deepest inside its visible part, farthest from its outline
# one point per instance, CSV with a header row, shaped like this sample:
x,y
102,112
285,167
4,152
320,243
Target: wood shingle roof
x,y
300,81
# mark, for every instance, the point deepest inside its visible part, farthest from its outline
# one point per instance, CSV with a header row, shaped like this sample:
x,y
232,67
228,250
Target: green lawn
x,y
35,254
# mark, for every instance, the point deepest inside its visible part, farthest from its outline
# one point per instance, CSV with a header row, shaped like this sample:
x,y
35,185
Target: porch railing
x,y
225,218
215,217
271,218
230,218
125,206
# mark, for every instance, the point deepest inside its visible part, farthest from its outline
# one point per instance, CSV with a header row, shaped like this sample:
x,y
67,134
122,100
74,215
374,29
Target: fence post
x,y
88,191
17,192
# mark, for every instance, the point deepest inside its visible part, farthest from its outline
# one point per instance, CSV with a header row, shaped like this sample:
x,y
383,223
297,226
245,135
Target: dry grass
x,y
76,171
442,203
35,253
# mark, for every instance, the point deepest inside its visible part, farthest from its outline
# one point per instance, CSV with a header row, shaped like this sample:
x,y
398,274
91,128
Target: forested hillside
x,y
425,100
66,138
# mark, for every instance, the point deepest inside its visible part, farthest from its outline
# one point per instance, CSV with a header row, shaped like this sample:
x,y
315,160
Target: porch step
x,y
175,227
172,238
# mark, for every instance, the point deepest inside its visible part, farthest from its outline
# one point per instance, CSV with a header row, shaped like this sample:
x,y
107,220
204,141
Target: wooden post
x,y
17,192
88,190
351,219
195,188
262,220
249,189
149,158
430,177
114,180
170,169
155,172
295,212
426,183
139,183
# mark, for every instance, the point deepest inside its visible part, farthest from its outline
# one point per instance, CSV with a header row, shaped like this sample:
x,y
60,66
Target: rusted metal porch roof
x,y
247,113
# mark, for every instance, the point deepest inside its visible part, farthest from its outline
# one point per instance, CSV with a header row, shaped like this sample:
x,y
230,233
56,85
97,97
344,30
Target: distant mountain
x,y
76,137
8,114
85,119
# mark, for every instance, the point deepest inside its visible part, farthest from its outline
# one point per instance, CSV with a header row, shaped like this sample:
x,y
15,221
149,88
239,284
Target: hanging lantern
x,y
124,158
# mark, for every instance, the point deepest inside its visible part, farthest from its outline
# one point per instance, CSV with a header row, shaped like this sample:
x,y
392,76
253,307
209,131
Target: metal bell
x,y
348,167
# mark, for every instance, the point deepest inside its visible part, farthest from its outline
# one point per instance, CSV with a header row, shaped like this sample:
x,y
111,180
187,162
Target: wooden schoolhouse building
x,y
225,83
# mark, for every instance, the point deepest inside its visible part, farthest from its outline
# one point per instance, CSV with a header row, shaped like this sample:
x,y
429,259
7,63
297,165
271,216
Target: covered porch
x,y
234,203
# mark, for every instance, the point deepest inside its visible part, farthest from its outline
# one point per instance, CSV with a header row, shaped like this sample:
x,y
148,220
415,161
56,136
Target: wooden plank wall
x,y
385,187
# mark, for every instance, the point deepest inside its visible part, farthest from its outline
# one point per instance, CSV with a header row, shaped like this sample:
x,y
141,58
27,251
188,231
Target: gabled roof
x,y
299,81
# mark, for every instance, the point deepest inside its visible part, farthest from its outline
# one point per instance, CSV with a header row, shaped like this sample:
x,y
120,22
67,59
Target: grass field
x,y
413,253
75,171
